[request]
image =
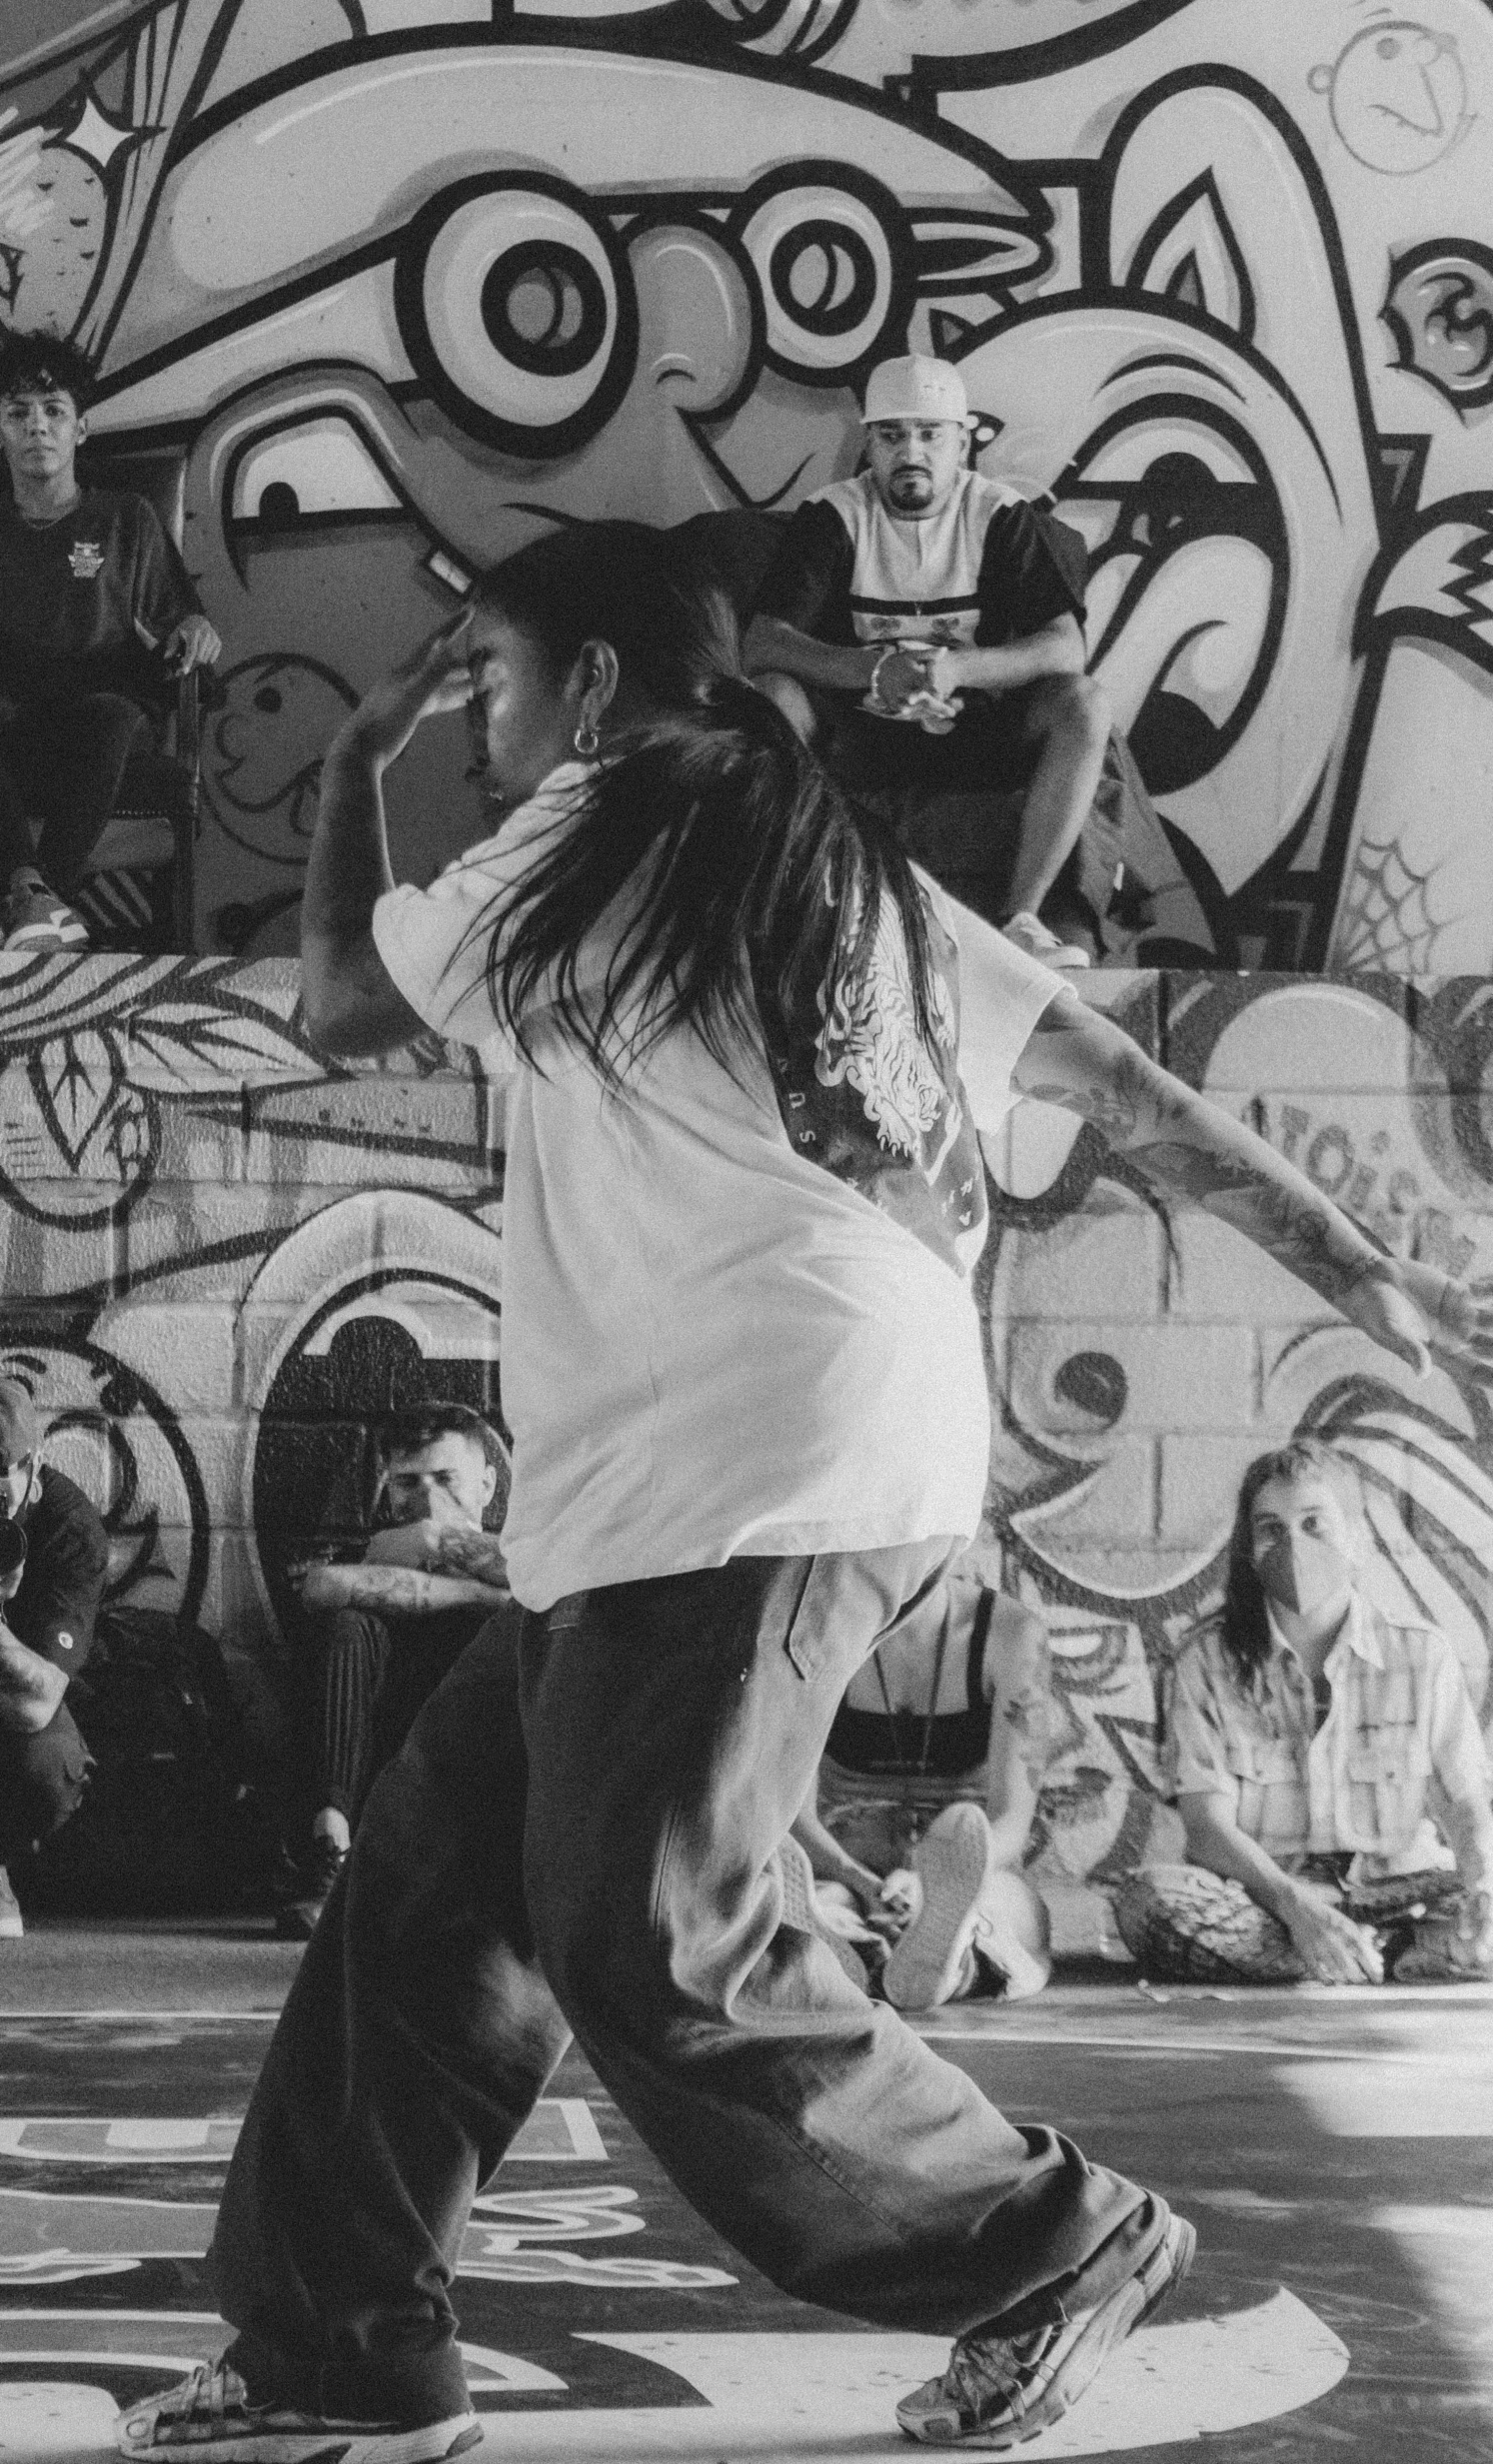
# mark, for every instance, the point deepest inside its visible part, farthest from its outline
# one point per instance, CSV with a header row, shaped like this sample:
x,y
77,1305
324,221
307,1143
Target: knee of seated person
x,y
46,1773
789,696
1077,707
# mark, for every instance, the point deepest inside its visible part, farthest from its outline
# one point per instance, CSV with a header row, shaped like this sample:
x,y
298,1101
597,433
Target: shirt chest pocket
x,y
1389,1758
1268,1760
1388,1769
1263,1768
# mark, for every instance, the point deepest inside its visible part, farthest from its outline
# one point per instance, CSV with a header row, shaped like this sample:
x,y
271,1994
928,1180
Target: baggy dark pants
x,y
43,1773
650,1753
64,761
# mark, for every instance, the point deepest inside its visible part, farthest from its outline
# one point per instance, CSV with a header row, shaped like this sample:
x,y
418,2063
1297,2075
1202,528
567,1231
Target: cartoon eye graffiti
x,y
1188,571
833,256
304,470
515,304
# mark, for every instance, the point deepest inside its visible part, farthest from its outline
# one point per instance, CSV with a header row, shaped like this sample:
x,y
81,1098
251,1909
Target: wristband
x,y
874,689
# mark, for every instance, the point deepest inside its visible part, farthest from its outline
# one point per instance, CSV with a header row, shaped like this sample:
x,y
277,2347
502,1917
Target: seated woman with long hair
x,y
1309,1738
743,1197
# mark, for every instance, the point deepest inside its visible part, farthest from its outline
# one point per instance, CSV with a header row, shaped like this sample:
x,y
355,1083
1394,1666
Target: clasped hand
x,y
909,682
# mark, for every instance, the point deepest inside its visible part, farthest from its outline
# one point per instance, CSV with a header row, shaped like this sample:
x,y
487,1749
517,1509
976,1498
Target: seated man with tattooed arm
x,y
383,1631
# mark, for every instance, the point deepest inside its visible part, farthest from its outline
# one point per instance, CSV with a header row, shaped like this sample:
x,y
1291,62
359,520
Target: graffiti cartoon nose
x,y
696,318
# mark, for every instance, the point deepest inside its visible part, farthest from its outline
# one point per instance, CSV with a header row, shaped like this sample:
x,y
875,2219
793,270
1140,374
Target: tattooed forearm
x,y
1187,1147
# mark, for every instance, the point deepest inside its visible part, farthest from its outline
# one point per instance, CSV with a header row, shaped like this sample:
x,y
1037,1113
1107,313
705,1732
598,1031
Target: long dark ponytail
x,y
734,855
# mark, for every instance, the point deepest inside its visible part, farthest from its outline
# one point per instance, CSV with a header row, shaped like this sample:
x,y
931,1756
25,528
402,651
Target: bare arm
x,y
772,644
461,1550
1055,649
829,1861
352,1003
30,1686
1018,1654
1082,1061
1330,1947
395,1590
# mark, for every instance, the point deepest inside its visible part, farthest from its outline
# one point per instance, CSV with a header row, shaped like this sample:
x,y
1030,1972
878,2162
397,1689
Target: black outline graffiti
x,y
420,235
1454,258
932,74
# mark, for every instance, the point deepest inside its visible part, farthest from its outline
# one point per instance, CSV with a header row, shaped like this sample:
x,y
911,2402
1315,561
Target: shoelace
x,y
212,2391
998,2365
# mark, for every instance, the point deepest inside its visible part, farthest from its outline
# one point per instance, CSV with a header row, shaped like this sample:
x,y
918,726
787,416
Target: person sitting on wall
x,y
922,592
925,1802
54,1556
386,1630
97,620
1310,1742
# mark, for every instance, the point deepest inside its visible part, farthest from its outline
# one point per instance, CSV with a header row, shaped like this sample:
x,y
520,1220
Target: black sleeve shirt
x,y
67,1558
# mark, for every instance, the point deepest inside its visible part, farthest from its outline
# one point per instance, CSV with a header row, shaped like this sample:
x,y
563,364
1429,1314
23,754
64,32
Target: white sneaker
x,y
934,1960
210,2415
36,919
1028,932
11,1927
998,2391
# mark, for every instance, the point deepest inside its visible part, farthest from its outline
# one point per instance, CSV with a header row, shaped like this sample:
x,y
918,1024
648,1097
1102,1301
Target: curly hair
x,y
43,363
1245,1632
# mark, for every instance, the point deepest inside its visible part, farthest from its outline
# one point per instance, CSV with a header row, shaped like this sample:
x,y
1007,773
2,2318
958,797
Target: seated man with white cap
x,y
922,592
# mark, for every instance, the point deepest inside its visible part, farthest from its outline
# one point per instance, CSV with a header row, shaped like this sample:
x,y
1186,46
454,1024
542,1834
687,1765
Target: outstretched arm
x,y
352,1003
1185,1144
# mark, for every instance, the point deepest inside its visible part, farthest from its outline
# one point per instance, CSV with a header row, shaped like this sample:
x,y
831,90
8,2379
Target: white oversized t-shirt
x,y
722,1333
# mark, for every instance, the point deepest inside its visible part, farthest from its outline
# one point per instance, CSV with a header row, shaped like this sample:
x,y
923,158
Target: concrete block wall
x,y
222,1257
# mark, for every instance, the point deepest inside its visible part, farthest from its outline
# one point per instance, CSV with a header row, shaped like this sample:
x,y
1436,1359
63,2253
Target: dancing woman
x,y
744,1374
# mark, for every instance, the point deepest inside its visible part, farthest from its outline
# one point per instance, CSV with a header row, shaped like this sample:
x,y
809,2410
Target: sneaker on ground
x,y
37,919
999,2390
11,1927
933,1959
296,1921
1029,933
210,2415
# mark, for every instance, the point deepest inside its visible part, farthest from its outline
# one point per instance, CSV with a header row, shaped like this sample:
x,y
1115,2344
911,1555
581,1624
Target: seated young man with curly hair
x,y
98,617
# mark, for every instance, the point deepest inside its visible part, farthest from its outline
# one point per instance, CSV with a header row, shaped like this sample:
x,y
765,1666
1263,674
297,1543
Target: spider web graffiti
x,y
1388,925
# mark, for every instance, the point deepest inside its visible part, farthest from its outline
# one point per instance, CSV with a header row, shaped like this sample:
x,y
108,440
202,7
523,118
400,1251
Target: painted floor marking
x,y
768,2396
559,2130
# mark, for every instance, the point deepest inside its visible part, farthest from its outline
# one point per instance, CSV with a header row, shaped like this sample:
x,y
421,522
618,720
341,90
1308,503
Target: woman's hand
x,y
432,678
1417,1311
900,1894
1472,1934
1331,1948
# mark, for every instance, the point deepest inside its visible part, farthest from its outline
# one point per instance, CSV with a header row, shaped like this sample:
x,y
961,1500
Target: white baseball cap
x,y
915,388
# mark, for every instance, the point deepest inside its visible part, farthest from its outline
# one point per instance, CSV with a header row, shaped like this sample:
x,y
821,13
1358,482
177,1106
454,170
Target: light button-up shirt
x,y
1399,1744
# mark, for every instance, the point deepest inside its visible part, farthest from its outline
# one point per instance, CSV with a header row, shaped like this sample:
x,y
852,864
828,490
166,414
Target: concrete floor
x,y
1334,2150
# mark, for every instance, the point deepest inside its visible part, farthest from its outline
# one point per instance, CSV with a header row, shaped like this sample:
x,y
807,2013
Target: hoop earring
x,y
586,741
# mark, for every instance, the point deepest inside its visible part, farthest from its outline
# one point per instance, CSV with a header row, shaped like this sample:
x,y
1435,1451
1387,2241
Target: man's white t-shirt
x,y
722,1335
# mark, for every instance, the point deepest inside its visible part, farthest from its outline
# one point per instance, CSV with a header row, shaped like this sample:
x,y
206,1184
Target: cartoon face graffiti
x,y
1397,94
520,321
496,310
1200,426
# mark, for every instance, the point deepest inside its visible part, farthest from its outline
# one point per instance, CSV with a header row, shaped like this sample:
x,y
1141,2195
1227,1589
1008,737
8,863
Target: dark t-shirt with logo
x,y
75,596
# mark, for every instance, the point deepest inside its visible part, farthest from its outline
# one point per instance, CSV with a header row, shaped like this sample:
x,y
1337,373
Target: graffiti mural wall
x,y
224,1258
405,280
